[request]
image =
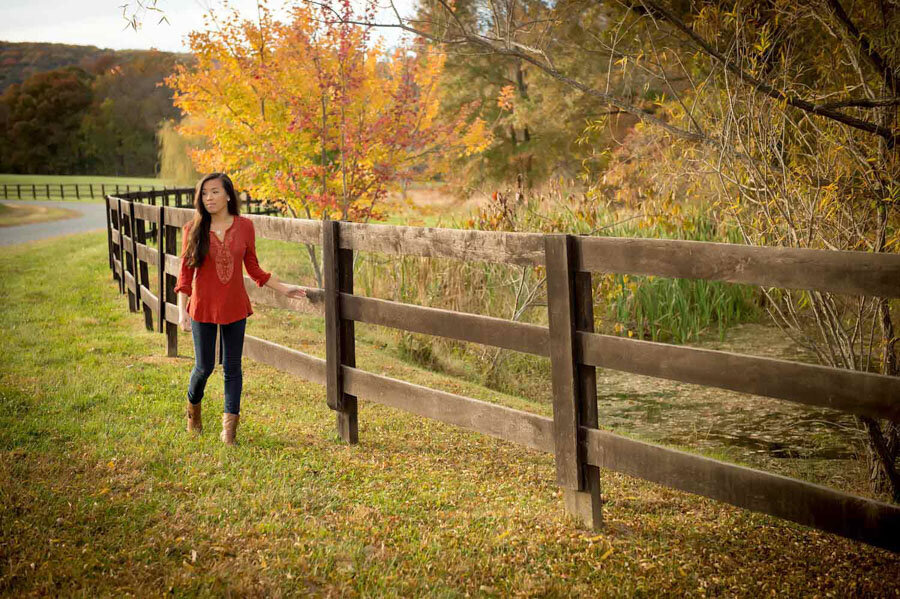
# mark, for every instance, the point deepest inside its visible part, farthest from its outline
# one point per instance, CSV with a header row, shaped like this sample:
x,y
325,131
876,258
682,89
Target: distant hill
x,y
20,60
77,110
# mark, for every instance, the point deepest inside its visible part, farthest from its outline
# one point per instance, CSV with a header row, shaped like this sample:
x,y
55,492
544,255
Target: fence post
x,y
114,219
109,234
121,248
171,247
91,190
589,503
48,191
117,247
339,333
569,306
140,236
77,196
19,190
161,268
133,296
153,226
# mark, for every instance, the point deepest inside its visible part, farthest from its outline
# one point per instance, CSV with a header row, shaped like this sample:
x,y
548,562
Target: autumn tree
x,y
312,117
98,119
40,122
784,120
535,121
120,127
174,161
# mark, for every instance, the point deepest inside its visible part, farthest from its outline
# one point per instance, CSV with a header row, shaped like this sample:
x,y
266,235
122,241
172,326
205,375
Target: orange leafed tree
x,y
310,116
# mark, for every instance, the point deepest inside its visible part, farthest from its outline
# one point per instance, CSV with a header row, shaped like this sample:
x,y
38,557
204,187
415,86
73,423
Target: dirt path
x,y
92,219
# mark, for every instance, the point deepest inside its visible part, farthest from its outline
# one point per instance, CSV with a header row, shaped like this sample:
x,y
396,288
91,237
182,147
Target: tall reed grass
x,y
659,309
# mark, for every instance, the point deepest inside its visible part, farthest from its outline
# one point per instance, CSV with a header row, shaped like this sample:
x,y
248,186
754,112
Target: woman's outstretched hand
x,y
294,291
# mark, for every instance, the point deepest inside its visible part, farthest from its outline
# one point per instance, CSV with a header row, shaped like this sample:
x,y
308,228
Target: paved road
x,y
92,219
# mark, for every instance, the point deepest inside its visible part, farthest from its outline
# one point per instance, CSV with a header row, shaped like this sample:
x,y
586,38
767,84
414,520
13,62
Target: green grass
x,y
102,493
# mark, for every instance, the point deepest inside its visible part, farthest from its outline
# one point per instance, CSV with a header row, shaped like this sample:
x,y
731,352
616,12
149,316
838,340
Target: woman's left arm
x,y
277,285
294,291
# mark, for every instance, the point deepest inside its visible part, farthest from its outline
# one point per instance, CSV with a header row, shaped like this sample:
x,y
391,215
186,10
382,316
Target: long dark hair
x,y
198,242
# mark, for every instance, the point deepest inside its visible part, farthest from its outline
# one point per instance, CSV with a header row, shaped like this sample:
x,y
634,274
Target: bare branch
x,y
865,46
763,87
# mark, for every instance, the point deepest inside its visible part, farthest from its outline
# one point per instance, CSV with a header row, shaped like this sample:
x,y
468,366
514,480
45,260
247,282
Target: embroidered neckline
x,y
224,259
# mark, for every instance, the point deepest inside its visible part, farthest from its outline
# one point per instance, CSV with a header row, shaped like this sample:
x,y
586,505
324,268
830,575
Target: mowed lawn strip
x,y
103,493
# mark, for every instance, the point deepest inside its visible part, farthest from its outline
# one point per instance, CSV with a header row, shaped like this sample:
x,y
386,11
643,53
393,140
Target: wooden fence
x,y
573,435
61,191
179,196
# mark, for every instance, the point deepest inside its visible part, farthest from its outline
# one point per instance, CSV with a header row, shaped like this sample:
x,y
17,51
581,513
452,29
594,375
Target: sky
x,y
100,22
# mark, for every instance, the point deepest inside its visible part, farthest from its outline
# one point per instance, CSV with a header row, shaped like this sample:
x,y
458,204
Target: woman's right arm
x,y
183,315
185,281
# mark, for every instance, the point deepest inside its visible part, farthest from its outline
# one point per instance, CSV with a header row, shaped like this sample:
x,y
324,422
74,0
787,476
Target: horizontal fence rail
x,y
854,273
573,434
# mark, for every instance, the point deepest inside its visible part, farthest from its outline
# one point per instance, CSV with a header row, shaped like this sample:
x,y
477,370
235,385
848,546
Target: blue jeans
x,y
231,346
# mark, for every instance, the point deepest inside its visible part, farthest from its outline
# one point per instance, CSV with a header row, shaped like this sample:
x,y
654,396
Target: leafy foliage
x,y
306,113
99,119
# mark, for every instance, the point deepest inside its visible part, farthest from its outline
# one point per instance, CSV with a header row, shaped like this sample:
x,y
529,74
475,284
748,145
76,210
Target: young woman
x,y
214,246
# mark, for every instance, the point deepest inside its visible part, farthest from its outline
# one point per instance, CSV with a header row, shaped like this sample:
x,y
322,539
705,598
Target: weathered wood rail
x,y
573,435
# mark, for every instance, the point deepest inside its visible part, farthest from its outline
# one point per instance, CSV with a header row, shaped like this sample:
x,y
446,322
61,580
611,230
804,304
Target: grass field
x,y
102,493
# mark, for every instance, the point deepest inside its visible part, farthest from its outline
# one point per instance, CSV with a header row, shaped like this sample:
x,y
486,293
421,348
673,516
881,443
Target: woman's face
x,y
214,197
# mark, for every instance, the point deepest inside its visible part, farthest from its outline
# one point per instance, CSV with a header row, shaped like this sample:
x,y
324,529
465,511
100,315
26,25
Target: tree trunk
x,y
310,249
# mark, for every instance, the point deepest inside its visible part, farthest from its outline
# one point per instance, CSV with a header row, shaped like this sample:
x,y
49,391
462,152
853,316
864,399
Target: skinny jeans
x,y
231,345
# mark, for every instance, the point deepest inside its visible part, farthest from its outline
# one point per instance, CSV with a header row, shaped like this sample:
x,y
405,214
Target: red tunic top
x,y
218,294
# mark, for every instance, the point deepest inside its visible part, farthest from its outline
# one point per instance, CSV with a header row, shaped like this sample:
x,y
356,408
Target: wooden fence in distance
x,y
572,435
180,196
62,191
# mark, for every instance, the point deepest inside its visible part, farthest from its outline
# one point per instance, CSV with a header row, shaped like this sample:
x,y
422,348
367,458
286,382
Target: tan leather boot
x,y
229,428
194,423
